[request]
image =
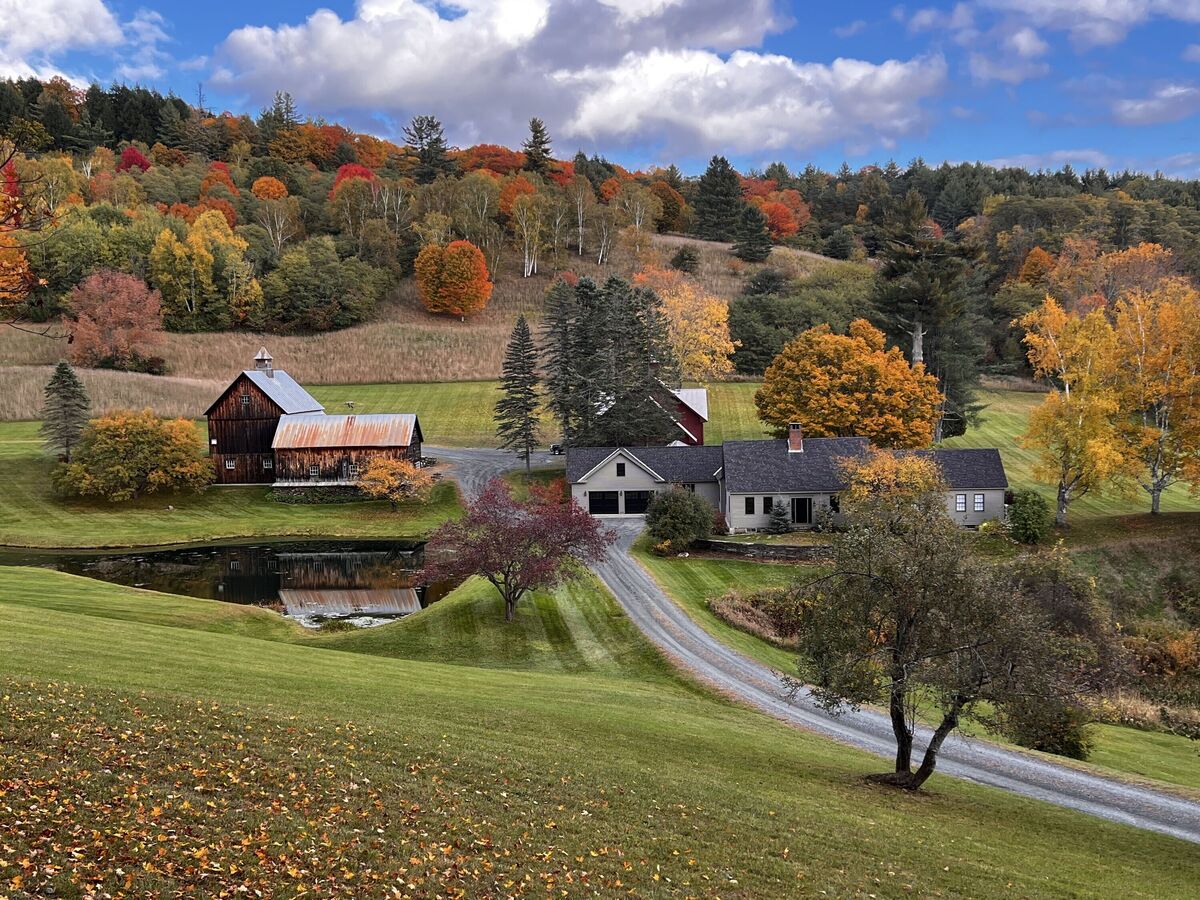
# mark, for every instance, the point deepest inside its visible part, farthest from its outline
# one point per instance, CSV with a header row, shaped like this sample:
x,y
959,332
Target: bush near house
x,y
676,519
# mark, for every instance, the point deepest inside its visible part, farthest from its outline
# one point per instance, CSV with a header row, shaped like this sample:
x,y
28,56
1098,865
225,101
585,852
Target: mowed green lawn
x,y
32,516
154,745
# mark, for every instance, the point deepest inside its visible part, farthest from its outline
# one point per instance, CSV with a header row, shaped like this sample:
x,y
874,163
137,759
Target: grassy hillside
x,y
31,516
143,736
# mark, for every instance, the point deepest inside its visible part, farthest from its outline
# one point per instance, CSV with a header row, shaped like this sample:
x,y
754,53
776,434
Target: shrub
x,y
126,454
686,259
679,517
779,522
1029,517
1058,728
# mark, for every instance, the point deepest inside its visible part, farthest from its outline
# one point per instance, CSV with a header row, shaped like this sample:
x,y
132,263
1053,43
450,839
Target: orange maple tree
x,y
268,188
453,279
848,385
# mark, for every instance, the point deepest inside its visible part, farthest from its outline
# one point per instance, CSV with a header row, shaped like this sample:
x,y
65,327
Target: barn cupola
x,y
264,363
795,438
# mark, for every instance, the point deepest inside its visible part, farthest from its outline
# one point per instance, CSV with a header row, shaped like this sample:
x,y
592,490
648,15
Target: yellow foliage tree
x,y
395,480
849,385
1075,429
697,323
1158,347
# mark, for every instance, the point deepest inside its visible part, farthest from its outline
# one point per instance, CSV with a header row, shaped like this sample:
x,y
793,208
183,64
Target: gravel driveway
x,y
691,647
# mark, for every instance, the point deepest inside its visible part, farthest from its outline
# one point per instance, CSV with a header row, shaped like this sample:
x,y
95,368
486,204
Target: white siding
x,y
993,506
738,520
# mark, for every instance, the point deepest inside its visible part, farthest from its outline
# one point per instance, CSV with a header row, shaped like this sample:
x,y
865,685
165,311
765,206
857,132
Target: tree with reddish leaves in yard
x,y
453,279
116,321
518,546
132,157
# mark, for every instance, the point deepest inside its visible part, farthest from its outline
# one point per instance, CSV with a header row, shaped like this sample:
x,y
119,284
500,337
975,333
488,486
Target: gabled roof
x,y
970,467
674,465
753,467
317,430
281,388
695,399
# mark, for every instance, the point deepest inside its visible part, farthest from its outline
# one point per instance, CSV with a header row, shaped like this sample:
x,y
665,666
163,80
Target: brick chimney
x,y
264,363
795,438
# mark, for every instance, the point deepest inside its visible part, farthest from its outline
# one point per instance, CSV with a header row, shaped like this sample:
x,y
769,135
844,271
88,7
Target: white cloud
x,y
1094,23
145,60
1026,42
1055,159
1192,53
34,33
1010,71
674,73
1167,103
850,29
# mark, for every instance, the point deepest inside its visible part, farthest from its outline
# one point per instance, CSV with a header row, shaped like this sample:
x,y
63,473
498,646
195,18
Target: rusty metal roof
x,y
317,430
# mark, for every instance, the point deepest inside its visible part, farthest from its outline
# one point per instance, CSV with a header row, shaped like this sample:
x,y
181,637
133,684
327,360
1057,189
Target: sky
x,y
1039,83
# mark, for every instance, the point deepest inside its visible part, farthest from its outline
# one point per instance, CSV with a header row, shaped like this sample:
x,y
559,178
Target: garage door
x,y
637,501
603,503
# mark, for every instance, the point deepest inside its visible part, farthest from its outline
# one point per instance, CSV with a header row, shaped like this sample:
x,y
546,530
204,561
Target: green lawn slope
x,y
153,745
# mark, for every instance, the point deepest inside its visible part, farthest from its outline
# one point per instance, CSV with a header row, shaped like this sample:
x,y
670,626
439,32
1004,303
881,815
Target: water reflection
x,y
363,582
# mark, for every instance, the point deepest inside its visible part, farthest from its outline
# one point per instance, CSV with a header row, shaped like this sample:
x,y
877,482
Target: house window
x,y
620,470
268,463
979,501
314,472
234,565
245,399
689,487
749,506
960,502
835,504
768,505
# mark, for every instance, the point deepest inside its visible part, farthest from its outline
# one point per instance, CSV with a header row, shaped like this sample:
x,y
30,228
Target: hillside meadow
x,y
160,744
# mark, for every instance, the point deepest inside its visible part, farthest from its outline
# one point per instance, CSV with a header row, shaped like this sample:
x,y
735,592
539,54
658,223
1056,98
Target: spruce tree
x,y
65,412
753,239
537,148
562,310
718,203
517,409
424,134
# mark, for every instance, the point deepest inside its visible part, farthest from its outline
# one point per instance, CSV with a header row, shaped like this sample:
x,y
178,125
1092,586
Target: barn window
x,y
230,464
979,503
245,399
268,463
314,472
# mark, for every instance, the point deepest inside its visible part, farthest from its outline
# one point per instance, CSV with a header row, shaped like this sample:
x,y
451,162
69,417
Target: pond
x,y
364,583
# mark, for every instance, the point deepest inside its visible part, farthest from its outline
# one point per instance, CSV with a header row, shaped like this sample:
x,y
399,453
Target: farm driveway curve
x,y
693,648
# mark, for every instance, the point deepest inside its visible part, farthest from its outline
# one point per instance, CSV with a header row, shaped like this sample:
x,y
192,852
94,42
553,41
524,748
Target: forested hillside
x,y
289,224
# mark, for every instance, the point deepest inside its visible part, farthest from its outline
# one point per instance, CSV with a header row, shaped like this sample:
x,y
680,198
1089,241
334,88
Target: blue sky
x,y
1032,82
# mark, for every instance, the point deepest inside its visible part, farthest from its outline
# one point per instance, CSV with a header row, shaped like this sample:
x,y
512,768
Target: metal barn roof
x,y
317,430
284,391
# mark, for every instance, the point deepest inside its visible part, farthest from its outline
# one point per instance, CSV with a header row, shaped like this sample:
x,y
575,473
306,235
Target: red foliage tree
x,y
517,546
780,220
224,207
561,173
117,320
758,187
348,171
132,157
218,174
453,279
512,189
491,157
610,187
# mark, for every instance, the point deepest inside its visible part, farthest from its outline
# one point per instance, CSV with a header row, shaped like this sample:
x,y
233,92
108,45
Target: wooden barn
x,y
313,448
266,429
242,421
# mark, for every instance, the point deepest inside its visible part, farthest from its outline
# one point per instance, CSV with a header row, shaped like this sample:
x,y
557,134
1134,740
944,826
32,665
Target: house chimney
x,y
795,438
264,363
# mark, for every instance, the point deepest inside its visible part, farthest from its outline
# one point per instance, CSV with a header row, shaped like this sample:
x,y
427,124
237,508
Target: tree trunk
x,y
510,607
902,732
929,760
1155,500
918,342
1064,500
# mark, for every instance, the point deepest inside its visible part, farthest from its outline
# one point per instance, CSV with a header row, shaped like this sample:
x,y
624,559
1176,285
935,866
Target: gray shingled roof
x,y
970,468
284,391
753,467
676,465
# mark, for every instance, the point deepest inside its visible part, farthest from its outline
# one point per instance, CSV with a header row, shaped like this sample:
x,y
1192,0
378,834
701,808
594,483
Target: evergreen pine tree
x,y
65,412
424,134
718,203
753,240
537,148
517,409
562,310
779,520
